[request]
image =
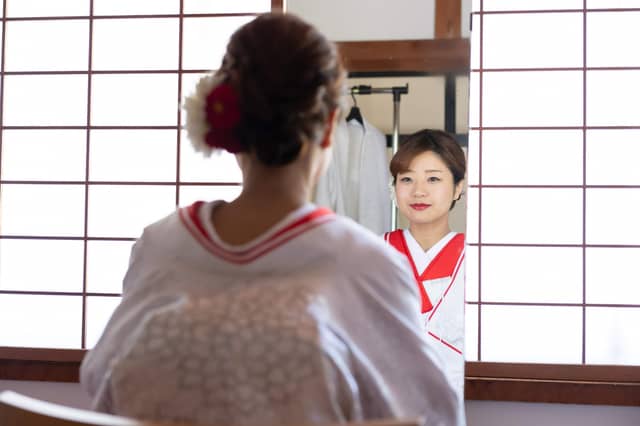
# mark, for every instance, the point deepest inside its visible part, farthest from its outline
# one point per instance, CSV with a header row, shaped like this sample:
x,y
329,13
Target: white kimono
x,y
316,321
356,184
439,273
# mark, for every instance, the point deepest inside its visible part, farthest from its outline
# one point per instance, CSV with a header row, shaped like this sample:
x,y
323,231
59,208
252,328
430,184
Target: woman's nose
x,y
420,191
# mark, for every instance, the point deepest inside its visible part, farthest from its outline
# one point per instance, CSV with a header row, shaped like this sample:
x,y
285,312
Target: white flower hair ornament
x,y
212,116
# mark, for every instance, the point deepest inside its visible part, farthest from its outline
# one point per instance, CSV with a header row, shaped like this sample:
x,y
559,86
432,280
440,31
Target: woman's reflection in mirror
x,y
428,173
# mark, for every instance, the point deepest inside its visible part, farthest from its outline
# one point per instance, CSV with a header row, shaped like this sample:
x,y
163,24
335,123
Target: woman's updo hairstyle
x,y
288,78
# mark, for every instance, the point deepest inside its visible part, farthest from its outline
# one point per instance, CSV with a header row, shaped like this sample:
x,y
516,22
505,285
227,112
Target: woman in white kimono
x,y
428,172
267,310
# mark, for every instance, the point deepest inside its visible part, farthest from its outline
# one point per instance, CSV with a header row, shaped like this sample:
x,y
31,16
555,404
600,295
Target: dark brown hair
x,y
289,78
438,141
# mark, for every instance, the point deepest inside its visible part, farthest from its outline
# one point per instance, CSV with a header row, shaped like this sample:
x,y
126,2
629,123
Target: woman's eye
x,y
405,179
434,179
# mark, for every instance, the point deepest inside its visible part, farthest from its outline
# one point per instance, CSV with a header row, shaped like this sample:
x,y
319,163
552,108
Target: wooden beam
x,y
51,365
447,19
433,56
562,372
278,5
552,391
554,383
41,354
46,371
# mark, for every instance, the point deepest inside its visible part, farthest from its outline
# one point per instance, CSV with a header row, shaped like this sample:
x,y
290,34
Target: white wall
x,y
465,18
70,394
353,20
356,20
493,413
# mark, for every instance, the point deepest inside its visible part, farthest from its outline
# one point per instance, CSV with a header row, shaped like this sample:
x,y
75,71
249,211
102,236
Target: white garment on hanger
x,y
330,188
356,182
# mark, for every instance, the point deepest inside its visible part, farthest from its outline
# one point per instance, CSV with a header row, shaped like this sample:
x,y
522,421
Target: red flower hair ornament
x,y
213,114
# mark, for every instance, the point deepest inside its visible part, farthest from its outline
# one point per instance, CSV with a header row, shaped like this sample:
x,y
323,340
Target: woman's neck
x,y
284,187
427,235
268,195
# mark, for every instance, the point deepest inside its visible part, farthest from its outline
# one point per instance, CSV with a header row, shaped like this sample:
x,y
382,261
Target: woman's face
x,y
425,192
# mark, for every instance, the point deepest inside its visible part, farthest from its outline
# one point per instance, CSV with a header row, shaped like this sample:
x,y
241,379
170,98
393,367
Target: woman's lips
x,y
420,206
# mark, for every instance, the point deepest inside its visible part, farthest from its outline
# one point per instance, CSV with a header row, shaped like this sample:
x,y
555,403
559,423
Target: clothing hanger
x,y
355,114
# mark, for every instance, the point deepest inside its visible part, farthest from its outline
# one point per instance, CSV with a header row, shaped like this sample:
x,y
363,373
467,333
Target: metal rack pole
x,y
397,92
395,142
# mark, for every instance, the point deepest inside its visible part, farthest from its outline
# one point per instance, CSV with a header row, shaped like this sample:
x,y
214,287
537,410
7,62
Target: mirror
x,y
422,107
435,100
580,312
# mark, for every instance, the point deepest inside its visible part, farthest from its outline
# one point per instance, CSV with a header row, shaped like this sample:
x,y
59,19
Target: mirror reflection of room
x,y
429,217
361,185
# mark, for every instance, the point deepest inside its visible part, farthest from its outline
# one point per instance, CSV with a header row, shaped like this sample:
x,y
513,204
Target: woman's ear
x,y
457,193
327,137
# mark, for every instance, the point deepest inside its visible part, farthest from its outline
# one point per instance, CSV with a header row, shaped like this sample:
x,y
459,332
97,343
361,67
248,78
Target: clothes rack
x,y
397,92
